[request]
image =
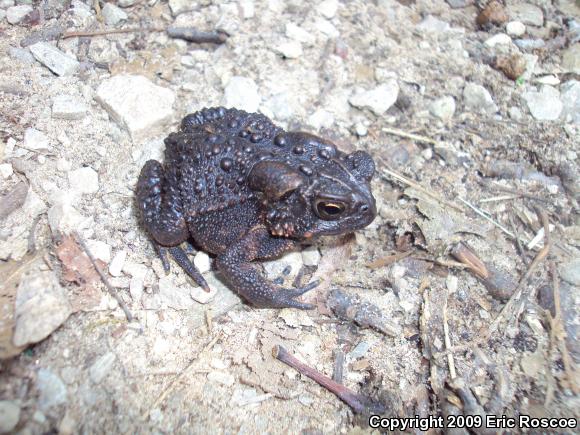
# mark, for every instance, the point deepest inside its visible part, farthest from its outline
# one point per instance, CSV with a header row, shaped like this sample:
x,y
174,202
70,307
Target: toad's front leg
x,y
235,265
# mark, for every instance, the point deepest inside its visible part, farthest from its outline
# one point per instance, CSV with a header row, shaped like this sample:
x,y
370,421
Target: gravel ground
x,y
472,114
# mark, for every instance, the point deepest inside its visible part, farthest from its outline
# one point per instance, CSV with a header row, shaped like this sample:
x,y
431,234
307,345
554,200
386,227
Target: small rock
x,y
68,106
571,101
571,59
5,4
571,272
247,9
290,49
221,377
526,13
35,140
41,306
274,268
64,218
443,108
100,250
21,55
493,13
544,105
68,425
9,415
136,287
52,390
299,34
321,119
550,79
6,170
280,106
200,295
55,60
113,15
477,99
360,350
242,93
378,100
515,28
173,296
126,3
16,14
84,180
136,104
458,4
532,364
202,261
512,66
529,44
326,27
515,113
360,129
116,266
328,8
101,367
311,256
432,24
179,6
498,39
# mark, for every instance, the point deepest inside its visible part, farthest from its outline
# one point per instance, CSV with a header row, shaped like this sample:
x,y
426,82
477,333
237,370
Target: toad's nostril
x,y
364,208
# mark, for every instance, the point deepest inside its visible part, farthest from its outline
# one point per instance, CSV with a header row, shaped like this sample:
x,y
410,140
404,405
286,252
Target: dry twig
x,y
412,136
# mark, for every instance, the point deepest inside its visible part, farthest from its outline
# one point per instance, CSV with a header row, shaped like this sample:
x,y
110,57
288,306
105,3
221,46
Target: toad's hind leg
x,y
160,204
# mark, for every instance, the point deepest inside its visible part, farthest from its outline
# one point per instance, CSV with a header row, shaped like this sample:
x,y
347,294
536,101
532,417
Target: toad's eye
x,y
329,210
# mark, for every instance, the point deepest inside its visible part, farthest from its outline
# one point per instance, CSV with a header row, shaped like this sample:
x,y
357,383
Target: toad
x,y
244,189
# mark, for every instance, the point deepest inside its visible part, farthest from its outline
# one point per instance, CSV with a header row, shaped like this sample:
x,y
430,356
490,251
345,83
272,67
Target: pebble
x,y
100,250
571,101
443,108
68,425
136,287
311,256
41,306
477,99
274,268
493,13
513,66
326,27
15,14
137,104
515,28
280,106
247,9
321,119
179,6
84,180
498,39
360,129
290,49
360,350
173,296
116,266
221,377
299,34
6,170
68,107
126,3
544,105
52,390
458,4
328,8
101,367
571,59
526,13
570,272
550,79
21,55
55,60
64,218
515,113
433,24
35,140
4,4
532,364
529,44
202,261
9,415
378,100
200,295
113,15
242,93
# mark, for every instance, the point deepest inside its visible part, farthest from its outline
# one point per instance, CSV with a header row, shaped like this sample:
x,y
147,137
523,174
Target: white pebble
x,y
116,266
515,28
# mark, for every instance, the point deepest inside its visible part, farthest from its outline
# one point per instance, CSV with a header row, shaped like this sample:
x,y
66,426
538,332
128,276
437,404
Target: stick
x,y
357,402
112,291
450,359
412,136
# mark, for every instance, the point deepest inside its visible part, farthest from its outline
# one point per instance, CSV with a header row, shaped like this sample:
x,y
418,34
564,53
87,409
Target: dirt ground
x,y
464,306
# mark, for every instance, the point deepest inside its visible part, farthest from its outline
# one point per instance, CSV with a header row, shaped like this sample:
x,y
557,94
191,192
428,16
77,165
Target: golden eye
x,y
329,209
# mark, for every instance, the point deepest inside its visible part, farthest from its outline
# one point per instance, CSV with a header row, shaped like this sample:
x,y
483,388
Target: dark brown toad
x,y
245,190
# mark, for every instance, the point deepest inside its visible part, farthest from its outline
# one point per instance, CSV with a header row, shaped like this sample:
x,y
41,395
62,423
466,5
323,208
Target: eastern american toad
x,y
245,190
